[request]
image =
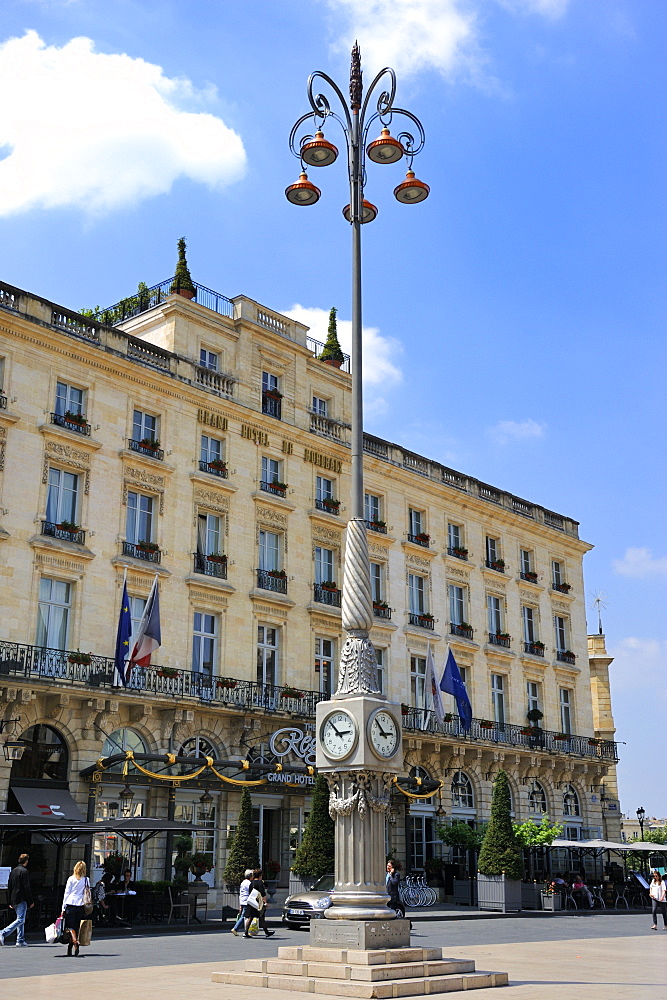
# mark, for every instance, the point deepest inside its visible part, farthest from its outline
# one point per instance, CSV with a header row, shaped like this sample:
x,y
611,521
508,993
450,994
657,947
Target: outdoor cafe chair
x,y
176,904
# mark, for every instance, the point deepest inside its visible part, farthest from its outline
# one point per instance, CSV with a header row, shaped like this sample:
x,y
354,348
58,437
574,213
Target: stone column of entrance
x,y
360,750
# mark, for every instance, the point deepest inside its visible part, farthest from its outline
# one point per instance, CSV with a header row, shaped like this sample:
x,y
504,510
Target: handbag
x,y
256,900
87,899
53,931
85,932
254,926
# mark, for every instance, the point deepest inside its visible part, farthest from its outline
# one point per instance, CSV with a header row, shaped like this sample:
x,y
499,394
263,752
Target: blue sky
x,y
513,319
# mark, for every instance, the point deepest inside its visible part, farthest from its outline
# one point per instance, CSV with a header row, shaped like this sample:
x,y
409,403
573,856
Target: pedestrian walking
x,y
658,893
244,890
392,882
258,885
76,890
20,901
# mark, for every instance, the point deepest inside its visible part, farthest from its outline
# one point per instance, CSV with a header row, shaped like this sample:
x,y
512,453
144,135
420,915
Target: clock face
x,y
338,735
383,734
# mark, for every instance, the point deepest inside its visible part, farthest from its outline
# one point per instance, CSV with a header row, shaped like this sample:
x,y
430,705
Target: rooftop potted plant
x,y
331,352
182,283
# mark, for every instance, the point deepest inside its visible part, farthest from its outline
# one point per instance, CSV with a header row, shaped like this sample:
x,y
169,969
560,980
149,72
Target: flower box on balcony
x,y
78,657
564,588
595,742
329,585
75,418
380,605
426,617
153,444
538,645
215,557
528,731
218,465
145,546
168,672
292,693
377,523
460,552
530,577
277,485
486,724
423,538
277,574
405,709
497,564
449,717
68,526
562,737
273,394
331,504
226,682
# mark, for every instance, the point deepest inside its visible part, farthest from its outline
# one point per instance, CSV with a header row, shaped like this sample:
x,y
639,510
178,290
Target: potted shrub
x,y
182,283
551,898
500,865
315,854
449,717
534,714
271,872
114,864
243,850
200,863
331,352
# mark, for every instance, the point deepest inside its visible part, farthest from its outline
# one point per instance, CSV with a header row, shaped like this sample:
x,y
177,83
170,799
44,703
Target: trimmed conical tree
x,y
332,350
315,856
501,849
244,852
182,282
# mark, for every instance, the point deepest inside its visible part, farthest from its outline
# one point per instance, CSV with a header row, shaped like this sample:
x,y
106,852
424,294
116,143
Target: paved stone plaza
x,y
601,957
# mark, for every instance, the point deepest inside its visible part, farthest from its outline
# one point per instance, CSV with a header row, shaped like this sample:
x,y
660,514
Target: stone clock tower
x,y
360,751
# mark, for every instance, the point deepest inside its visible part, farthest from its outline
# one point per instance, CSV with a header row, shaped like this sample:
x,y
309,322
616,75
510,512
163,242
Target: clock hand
x,y
335,730
382,732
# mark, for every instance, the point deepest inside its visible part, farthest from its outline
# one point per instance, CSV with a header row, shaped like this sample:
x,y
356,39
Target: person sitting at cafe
x,y
580,887
123,898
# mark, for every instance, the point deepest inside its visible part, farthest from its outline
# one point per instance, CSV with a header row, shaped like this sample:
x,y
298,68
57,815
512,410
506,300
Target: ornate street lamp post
x,y
641,812
359,744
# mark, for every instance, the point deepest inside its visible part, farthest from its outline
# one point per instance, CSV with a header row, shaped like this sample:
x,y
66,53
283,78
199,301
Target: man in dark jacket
x,y
20,900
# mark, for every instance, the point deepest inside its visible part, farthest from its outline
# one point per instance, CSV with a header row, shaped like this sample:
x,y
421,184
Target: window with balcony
x,y
531,642
271,395
562,633
417,527
418,681
270,574
533,696
69,409
373,513
326,589
494,611
494,559
53,613
498,698
204,645
380,607
324,495
209,558
320,406
457,612
209,359
139,528
267,655
212,456
272,476
62,501
526,562
417,607
565,699
558,581
324,665
455,543
146,434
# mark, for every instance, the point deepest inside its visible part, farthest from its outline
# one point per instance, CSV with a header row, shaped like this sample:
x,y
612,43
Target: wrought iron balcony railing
x,y
565,656
213,470
562,588
424,720
464,631
496,565
457,552
278,491
211,565
499,640
529,576
535,648
79,425
64,667
139,551
150,450
420,539
330,506
65,534
326,595
378,526
88,670
272,405
424,621
381,612
272,580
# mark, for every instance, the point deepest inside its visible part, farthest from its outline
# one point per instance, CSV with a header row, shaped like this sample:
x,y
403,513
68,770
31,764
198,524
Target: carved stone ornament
x,y
144,479
368,791
212,500
415,560
357,673
71,458
271,516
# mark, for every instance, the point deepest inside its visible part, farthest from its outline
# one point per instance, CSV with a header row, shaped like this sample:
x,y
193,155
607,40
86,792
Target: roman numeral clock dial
x,y
338,735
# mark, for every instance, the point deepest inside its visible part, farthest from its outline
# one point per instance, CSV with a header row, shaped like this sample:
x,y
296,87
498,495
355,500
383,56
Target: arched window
x,y
198,746
462,793
45,756
571,805
537,798
120,741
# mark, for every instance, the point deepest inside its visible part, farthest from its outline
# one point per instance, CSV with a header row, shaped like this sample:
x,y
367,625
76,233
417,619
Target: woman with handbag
x,y
76,901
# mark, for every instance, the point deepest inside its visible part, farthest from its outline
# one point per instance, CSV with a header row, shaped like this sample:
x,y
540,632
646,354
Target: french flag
x,y
148,637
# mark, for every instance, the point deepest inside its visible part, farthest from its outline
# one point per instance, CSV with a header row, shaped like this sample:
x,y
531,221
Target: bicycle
x,y
415,892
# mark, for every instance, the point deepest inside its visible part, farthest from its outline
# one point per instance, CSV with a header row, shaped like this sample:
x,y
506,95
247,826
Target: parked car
x,y
302,907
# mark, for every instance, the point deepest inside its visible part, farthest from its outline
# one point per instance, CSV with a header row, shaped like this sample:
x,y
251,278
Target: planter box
x,y
531,893
551,902
297,884
495,892
464,892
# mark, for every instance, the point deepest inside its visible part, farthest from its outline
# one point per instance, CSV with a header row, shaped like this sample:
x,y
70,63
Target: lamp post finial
x,y
355,78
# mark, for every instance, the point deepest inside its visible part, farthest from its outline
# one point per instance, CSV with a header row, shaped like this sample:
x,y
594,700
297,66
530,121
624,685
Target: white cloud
x,y
380,368
639,563
645,658
510,430
416,35
101,131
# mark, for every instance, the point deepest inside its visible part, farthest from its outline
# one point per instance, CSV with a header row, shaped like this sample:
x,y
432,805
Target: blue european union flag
x,y
452,683
123,639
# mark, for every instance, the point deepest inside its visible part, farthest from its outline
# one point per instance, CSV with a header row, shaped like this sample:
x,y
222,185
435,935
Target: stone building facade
x,y
205,442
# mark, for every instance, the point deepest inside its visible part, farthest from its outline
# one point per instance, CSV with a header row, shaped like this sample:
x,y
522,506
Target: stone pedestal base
x,y
372,974
360,934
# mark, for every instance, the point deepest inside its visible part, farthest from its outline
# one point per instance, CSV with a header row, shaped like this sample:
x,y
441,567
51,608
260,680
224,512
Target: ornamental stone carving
x,y
368,791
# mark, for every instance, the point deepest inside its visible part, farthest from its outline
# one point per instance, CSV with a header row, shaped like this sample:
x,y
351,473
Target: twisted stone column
x,y
357,673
